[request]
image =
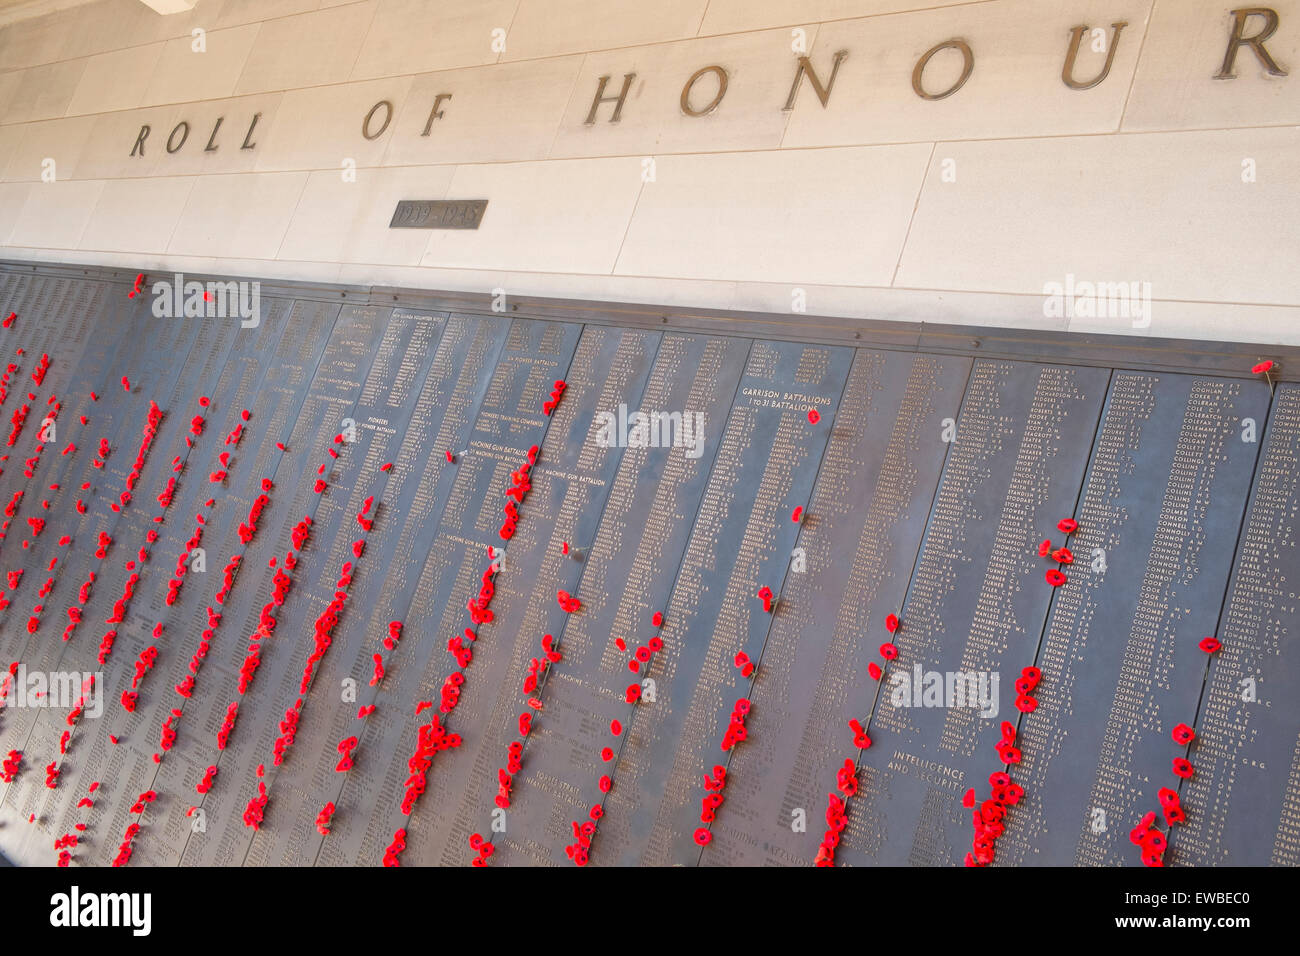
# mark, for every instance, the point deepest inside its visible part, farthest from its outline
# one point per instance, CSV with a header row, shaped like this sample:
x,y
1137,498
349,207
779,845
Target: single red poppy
x,y
1183,734
796,514
1063,555
1045,548
606,754
1055,578
1210,645
889,651
1068,525
891,623
1263,367
703,836
1026,704
814,416
874,670
1183,767
968,800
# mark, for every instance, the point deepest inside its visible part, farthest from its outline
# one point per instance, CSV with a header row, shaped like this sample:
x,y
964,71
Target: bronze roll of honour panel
x,y
399,579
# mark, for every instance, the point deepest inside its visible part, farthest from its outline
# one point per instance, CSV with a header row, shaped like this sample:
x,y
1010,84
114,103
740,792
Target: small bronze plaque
x,y
438,214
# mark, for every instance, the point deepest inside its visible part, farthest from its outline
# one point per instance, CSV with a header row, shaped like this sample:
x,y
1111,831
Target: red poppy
x,y
606,754
1209,645
1033,674
1183,734
703,836
888,651
1045,548
1026,704
796,514
1153,841
1055,578
814,416
1068,525
657,619
1263,367
874,670
891,623
605,783
615,727
1063,555
1183,767
968,800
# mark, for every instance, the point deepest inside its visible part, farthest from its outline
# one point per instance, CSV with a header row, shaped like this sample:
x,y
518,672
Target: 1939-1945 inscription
x,y
438,214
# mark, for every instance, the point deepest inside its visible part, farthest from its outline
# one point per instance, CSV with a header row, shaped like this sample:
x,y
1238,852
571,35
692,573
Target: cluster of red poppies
x,y
227,724
183,560
12,763
16,424
846,778
431,738
257,805
987,818
323,638
323,819
144,663
584,832
482,848
518,491
556,391
714,785
42,366
124,850
1146,835
537,670
345,748
837,817
4,381
204,785
1062,555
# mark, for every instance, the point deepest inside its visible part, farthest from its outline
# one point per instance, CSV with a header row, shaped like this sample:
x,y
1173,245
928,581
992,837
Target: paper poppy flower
x,y
1026,704
1209,645
1183,768
1183,734
796,514
657,619
1045,548
703,836
605,784
1262,367
891,623
814,416
1063,555
1068,525
874,670
968,799
1055,578
889,651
